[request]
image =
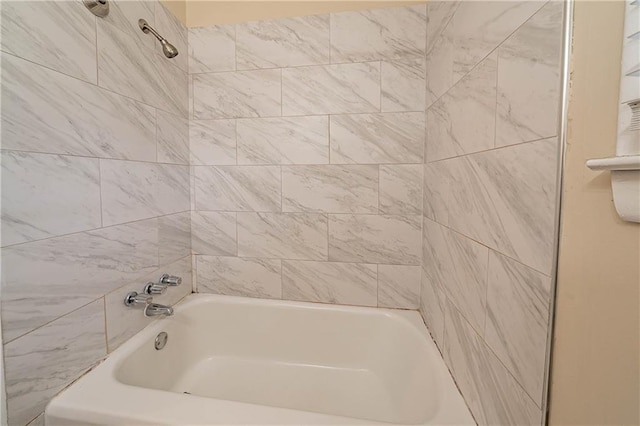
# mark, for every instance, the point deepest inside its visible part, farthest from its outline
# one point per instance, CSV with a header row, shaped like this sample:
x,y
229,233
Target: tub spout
x,y
156,309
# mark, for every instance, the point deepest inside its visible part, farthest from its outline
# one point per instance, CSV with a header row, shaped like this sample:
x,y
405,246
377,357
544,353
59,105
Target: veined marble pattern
x,y
398,286
403,85
172,29
174,237
505,199
401,189
283,235
173,138
330,189
42,363
329,282
331,89
518,301
237,94
238,188
283,42
132,70
47,195
375,239
474,31
377,138
432,308
532,54
133,191
387,33
458,267
463,120
239,277
213,142
214,233
439,13
57,34
287,140
491,393
212,49
44,111
435,191
124,322
43,280
124,16
478,28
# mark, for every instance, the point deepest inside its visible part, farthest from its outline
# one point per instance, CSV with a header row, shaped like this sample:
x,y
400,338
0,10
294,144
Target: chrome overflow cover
x,y
161,340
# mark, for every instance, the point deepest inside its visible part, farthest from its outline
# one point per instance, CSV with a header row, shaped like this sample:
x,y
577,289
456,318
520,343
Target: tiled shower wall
x,y
493,84
95,185
307,148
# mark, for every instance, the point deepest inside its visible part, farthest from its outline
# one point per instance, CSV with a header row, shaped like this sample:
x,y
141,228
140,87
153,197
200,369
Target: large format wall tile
x,y
403,85
505,199
172,29
474,30
330,189
439,13
432,308
124,322
283,235
458,267
398,286
377,138
133,191
375,239
173,138
212,49
331,89
43,280
289,140
283,42
212,142
47,195
214,233
401,189
234,276
44,111
518,301
329,282
491,393
435,191
529,111
174,237
132,70
378,34
238,188
124,15
42,363
57,34
463,120
237,94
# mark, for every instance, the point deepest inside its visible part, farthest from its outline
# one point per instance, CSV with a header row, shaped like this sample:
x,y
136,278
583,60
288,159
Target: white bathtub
x,y
231,360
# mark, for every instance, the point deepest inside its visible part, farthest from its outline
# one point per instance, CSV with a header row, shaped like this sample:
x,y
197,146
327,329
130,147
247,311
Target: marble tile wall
x,y
307,140
489,198
95,185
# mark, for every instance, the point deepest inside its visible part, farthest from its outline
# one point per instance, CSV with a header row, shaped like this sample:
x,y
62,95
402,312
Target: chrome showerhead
x,y
168,49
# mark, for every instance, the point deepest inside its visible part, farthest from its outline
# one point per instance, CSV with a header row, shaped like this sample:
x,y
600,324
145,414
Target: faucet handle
x,y
171,280
154,288
136,299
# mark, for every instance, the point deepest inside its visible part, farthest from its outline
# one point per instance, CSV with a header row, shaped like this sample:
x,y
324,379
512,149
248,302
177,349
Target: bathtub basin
x,y
231,360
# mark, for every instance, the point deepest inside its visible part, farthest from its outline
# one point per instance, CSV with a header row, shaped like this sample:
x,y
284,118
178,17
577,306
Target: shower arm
x,y
146,28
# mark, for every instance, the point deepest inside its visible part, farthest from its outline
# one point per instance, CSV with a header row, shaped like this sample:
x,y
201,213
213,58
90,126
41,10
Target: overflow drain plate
x,y
161,340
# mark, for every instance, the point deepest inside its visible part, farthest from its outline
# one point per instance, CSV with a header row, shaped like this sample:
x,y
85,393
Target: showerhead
x,y
168,49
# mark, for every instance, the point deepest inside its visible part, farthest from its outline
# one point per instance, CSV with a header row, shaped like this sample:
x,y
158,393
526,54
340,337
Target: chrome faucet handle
x,y
136,299
171,280
155,288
